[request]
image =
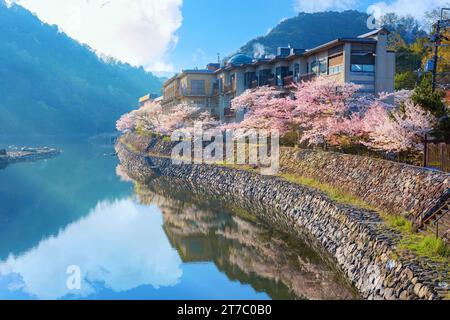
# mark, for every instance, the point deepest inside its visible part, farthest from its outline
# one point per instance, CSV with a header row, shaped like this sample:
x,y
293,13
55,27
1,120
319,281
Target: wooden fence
x,y
437,155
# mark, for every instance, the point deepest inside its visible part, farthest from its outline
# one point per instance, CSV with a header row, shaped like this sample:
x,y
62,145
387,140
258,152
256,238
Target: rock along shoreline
x,y
26,155
356,241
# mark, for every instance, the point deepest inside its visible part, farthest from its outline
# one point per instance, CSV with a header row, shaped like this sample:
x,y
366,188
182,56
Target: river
x,y
129,240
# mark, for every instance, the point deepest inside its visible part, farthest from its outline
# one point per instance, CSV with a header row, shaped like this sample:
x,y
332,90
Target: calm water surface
x,y
139,241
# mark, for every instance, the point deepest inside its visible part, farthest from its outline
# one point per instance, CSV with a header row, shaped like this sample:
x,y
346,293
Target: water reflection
x,y
162,239
120,245
204,229
40,199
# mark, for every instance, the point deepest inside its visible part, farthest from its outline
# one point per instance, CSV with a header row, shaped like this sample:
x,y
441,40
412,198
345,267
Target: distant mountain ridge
x,y
50,83
308,30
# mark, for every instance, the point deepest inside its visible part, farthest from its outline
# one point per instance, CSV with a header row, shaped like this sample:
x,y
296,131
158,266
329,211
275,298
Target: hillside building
x,y
363,60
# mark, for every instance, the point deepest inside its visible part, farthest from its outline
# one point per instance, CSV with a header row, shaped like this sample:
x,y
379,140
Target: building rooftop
x,y
337,42
195,71
239,60
374,32
145,98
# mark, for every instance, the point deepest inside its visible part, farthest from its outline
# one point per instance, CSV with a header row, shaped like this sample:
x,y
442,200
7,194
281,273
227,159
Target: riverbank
x,y
8,157
358,241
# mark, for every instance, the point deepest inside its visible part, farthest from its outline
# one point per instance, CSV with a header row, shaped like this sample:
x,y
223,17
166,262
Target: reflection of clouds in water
x,y
122,174
120,244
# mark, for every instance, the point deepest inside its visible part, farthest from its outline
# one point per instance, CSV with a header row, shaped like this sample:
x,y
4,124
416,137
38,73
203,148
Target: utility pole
x,y
437,39
436,55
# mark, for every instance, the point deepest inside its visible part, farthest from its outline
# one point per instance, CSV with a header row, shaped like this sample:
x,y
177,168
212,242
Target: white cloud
x,y
121,245
415,8
140,32
323,5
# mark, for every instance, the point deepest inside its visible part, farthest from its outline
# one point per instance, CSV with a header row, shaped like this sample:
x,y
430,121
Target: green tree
x,y
405,80
433,102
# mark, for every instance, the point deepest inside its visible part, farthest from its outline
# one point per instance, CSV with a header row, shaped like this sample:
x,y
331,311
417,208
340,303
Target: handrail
x,y
436,222
441,217
434,214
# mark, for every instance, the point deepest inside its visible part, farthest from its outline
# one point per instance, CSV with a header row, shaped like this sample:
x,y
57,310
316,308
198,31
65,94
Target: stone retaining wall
x,y
393,187
356,240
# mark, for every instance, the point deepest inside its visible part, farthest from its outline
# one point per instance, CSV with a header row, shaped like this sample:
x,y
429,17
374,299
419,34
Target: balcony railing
x,y
229,88
192,93
215,90
228,113
308,77
178,93
289,81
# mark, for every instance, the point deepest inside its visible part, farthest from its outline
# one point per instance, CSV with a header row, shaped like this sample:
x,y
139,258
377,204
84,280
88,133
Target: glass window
x,y
297,71
323,66
335,69
362,61
363,57
231,79
281,73
314,67
357,68
368,68
264,76
198,87
249,78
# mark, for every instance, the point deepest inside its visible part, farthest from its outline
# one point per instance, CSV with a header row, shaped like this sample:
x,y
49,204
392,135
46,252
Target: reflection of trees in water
x,y
204,229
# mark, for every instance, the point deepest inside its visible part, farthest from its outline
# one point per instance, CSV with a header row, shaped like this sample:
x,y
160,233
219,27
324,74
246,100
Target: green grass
x,y
333,193
243,214
398,223
129,146
421,244
143,133
431,246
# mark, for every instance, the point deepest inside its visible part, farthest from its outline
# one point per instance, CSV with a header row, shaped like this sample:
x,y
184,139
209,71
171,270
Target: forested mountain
x,y
308,30
50,83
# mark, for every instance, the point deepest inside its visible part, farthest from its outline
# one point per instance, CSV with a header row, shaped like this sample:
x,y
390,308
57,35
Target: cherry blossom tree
x,y
152,119
397,130
327,112
266,109
254,98
127,122
322,111
185,116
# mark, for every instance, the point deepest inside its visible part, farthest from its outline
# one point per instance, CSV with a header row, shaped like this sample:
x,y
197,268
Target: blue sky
x,y
165,36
